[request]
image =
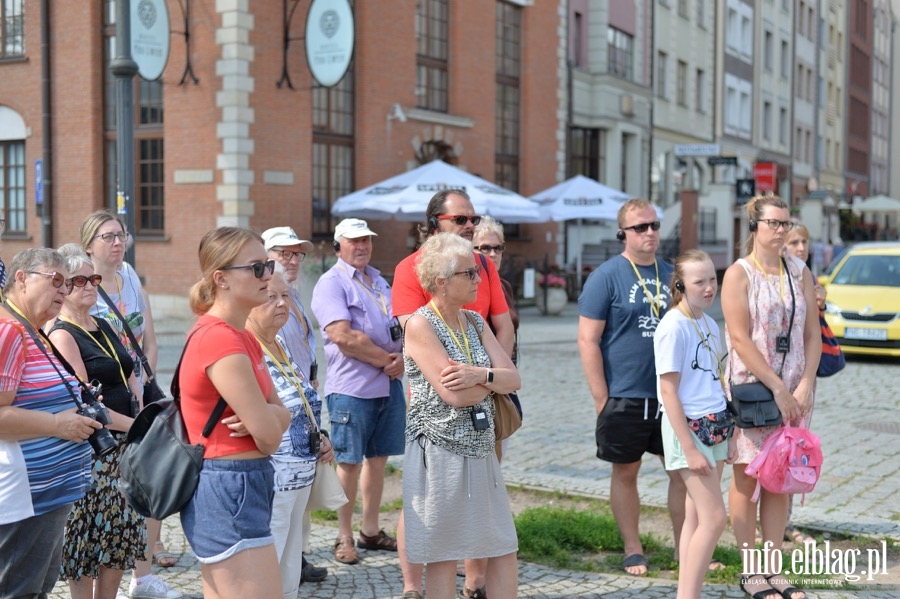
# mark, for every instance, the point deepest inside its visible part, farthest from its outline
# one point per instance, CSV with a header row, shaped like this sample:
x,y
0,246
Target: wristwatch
x,y
490,376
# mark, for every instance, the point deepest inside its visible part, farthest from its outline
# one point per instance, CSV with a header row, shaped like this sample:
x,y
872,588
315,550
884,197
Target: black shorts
x,y
627,428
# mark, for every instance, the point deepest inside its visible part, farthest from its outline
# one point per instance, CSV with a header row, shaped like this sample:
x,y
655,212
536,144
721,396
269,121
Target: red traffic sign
x,y
765,173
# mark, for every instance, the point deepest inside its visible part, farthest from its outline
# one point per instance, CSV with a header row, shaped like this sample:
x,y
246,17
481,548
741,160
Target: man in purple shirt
x,y
363,391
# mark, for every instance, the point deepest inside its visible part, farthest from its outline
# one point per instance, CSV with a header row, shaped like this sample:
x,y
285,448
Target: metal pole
x,y
46,208
124,69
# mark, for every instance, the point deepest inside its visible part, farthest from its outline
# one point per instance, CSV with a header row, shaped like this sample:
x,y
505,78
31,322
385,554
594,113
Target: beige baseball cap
x,y
351,228
285,237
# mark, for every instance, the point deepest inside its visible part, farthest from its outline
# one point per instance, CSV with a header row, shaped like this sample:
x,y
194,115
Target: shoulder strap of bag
x,y
220,406
137,346
484,265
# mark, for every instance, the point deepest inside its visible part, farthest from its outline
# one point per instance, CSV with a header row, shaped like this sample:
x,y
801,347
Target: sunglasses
x,y
460,219
259,268
110,237
58,279
81,280
774,224
487,249
289,255
642,228
470,272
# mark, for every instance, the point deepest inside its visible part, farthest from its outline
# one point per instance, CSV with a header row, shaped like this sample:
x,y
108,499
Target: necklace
x,y
654,302
467,350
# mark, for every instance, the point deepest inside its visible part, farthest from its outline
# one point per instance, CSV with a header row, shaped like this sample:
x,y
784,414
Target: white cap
x,y
351,228
284,237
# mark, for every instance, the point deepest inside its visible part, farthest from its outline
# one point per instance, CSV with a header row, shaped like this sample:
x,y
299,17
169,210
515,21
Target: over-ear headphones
x,y
753,226
336,245
620,235
432,223
679,285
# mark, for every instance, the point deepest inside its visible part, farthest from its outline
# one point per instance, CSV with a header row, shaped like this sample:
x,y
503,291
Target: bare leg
x,y
676,502
626,507
142,567
742,509
83,588
349,476
703,526
412,573
372,484
503,576
440,580
107,585
476,573
249,573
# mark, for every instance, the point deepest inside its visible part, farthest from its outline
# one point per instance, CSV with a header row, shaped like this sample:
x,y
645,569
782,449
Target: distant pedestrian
x,y
697,426
363,390
773,337
621,304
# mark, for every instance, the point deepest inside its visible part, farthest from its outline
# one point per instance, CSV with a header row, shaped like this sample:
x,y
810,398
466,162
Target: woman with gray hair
x,y
46,462
455,504
104,536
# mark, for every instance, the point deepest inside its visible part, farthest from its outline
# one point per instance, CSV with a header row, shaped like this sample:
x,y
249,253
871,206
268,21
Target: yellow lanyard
x,y
780,273
292,381
465,337
15,308
110,353
704,341
383,306
654,303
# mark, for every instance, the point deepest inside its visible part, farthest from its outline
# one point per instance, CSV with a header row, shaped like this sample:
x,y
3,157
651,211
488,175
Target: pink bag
x,y
788,463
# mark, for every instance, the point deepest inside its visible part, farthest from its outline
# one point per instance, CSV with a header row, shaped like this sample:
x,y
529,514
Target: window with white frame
x,y
682,83
700,91
738,113
12,28
12,185
620,53
701,13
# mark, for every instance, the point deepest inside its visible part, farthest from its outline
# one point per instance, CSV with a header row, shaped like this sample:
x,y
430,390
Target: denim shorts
x,y
231,508
368,428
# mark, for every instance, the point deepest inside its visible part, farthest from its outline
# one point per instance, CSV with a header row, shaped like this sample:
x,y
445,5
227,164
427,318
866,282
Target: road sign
x,y
39,182
697,150
765,174
722,161
744,190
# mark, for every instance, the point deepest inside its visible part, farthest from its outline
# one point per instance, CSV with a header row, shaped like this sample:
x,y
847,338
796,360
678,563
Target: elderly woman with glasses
x,y
455,504
46,464
227,521
104,536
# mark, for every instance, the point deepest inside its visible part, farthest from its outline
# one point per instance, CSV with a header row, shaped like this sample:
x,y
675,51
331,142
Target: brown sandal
x,y
344,551
380,542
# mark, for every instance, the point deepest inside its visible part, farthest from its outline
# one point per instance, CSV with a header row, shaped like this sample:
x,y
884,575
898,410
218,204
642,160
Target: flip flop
x,y
787,592
635,560
769,593
165,559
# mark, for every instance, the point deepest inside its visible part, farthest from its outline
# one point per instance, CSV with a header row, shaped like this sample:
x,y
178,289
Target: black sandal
x,y
788,592
769,593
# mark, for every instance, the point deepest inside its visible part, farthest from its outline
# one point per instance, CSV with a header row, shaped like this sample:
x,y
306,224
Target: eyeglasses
x,y
470,272
460,219
642,228
288,255
775,224
259,268
487,249
58,279
110,237
81,281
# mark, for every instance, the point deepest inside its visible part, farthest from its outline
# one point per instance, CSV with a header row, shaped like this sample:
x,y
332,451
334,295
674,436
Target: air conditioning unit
x,y
626,104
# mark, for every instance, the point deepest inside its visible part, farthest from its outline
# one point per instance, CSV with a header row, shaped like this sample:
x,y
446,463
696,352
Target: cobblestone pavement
x,y
857,416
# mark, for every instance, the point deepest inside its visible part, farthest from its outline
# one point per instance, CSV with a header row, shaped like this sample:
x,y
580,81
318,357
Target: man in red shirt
x,y
450,211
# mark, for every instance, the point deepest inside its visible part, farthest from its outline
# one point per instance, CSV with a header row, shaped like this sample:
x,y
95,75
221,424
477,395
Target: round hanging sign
x,y
329,40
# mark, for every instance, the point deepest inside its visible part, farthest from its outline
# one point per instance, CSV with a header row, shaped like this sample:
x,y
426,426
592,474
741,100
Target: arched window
x,y
12,170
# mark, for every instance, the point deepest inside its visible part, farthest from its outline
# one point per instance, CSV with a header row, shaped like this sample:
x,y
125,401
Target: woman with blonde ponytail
x,y
227,520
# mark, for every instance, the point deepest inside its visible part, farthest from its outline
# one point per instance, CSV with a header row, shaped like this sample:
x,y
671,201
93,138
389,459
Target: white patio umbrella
x,y
880,203
405,197
581,198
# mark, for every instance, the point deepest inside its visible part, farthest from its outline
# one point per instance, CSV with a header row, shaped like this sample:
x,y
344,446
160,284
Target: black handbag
x,y
159,468
152,391
753,403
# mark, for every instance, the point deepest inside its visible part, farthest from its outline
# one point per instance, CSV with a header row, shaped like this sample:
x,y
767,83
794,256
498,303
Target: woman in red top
x,y
227,520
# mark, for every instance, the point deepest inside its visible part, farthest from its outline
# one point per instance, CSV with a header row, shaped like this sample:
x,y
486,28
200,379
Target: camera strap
x,y
292,380
128,332
42,345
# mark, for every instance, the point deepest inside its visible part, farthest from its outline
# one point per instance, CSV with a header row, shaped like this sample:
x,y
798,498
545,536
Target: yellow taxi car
x,y
863,302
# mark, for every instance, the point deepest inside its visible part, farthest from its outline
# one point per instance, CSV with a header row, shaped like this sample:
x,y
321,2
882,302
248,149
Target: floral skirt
x,y
102,529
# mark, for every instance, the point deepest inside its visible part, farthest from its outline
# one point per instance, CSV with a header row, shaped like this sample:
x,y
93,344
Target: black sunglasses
x,y
470,272
487,249
642,228
259,268
460,219
81,280
289,255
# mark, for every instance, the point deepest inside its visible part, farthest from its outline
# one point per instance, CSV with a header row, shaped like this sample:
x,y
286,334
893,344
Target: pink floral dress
x,y
770,315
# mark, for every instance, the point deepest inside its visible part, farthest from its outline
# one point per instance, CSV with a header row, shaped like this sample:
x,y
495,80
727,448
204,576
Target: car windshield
x,y
869,270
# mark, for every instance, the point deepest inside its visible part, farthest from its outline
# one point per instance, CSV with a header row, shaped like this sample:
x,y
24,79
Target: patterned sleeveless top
x,y
444,425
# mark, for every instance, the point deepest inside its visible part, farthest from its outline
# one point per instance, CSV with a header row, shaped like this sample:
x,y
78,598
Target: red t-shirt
x,y
214,339
407,294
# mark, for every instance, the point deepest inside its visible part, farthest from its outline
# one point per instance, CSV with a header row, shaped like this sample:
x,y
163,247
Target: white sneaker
x,y
153,587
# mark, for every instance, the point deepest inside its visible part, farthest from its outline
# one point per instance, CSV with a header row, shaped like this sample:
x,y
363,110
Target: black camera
x,y
101,440
315,442
313,371
395,329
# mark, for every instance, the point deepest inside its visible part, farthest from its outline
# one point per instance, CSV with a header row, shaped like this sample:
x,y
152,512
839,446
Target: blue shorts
x,y
368,428
231,508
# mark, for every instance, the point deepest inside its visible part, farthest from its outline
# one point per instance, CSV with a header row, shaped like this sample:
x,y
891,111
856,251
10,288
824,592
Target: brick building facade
x,y
235,148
